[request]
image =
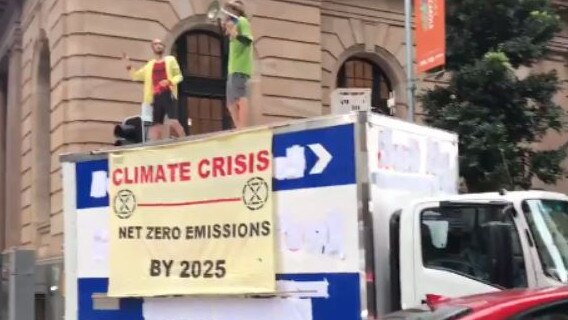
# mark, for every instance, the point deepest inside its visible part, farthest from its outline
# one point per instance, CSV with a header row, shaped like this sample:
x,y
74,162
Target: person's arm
x,y
244,34
136,75
176,74
230,28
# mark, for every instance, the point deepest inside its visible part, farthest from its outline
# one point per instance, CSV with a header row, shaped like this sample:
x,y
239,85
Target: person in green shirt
x,y
237,28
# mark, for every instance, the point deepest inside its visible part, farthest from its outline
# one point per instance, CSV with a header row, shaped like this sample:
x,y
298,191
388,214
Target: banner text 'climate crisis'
x,y
215,167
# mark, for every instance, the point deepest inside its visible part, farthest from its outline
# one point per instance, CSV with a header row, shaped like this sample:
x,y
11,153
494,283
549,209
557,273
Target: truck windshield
x,y
548,220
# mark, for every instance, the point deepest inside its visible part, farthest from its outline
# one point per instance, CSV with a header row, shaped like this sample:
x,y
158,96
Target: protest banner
x,y
193,218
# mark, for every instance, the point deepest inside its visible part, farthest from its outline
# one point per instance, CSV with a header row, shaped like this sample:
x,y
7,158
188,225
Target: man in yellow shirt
x,y
161,76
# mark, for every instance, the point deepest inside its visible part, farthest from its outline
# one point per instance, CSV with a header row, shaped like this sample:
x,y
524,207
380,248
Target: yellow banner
x,y
193,218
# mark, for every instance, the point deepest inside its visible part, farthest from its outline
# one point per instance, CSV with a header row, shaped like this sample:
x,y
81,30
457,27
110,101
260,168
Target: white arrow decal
x,y
324,158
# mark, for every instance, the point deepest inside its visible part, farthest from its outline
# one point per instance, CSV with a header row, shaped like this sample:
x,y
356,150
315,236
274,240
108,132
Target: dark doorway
x,y
202,56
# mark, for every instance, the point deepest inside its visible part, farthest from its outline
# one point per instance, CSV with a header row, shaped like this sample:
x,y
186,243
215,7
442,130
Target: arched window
x,y
362,73
202,56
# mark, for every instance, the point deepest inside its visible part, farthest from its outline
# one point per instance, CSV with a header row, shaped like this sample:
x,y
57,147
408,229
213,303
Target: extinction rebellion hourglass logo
x,y
124,204
255,193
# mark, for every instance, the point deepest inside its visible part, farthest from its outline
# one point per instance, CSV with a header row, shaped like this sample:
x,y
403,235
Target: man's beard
x,y
158,51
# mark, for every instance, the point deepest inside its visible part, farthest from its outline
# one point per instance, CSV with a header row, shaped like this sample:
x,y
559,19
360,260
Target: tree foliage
x,y
498,115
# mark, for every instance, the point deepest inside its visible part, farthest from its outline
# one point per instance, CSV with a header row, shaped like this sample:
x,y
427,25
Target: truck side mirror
x,y
500,252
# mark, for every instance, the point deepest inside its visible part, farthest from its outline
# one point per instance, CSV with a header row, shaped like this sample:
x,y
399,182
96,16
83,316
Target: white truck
x,y
368,221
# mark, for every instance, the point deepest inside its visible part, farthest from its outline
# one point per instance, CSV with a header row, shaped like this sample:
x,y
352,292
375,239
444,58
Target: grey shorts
x,y
237,86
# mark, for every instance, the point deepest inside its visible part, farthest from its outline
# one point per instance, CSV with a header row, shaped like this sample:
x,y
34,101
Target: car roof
x,y
514,300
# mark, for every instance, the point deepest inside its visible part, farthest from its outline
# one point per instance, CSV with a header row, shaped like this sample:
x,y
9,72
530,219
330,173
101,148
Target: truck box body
x,y
406,162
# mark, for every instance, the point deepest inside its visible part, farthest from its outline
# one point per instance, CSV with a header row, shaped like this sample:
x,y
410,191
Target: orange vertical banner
x,y
430,26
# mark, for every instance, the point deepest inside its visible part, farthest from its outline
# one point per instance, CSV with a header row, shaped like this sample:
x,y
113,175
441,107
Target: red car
x,y
518,304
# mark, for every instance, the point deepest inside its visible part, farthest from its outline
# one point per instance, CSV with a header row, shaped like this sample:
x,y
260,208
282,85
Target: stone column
x,y
13,145
2,161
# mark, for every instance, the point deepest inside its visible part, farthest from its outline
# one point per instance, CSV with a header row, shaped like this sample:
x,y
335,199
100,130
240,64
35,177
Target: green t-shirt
x,y
240,54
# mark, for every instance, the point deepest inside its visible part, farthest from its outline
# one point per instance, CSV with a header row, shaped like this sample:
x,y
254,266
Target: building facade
x,y
63,85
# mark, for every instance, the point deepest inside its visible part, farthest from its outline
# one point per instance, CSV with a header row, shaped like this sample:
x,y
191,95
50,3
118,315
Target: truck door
x,y
463,248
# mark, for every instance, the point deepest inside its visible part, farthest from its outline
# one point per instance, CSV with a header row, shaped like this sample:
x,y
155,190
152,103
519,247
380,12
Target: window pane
x,y
349,69
457,242
360,83
215,47
368,71
217,110
192,64
192,108
203,44
359,69
204,109
548,221
204,66
216,68
349,83
196,126
192,44
217,125
210,126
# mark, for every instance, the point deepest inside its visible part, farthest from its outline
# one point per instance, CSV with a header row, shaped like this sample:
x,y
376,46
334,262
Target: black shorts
x,y
164,103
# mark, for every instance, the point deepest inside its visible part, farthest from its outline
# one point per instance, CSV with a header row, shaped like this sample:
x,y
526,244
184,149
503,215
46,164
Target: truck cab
x,y
473,243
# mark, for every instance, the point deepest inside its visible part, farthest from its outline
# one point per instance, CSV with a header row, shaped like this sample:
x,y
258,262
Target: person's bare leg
x,y
154,132
165,130
234,111
176,127
243,111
